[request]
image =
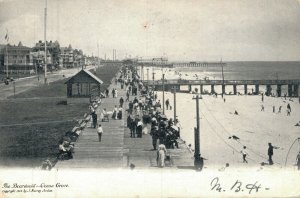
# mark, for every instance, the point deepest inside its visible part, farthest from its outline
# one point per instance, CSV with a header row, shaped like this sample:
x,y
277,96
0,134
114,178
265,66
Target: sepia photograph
x,y
149,98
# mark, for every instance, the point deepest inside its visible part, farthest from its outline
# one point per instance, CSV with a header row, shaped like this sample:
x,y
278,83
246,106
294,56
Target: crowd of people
x,y
144,115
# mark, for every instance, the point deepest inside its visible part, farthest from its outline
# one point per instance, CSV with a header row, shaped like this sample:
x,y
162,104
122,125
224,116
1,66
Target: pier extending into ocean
x,y
293,85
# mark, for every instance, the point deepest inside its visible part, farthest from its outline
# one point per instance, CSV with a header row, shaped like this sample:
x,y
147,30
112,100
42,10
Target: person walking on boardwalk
x,y
94,118
270,153
116,93
107,93
139,128
115,113
132,128
127,96
161,155
121,101
244,153
120,113
113,92
262,97
99,131
167,103
154,134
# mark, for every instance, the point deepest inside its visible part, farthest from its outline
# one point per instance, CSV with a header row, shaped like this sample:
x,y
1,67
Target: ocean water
x,y
249,71
258,70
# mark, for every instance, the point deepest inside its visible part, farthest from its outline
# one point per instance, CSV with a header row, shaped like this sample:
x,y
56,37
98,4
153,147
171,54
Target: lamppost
x,y
198,160
45,40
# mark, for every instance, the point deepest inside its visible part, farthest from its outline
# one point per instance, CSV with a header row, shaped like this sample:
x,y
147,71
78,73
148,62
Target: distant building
x,y
72,57
67,56
79,59
38,59
53,50
162,61
17,58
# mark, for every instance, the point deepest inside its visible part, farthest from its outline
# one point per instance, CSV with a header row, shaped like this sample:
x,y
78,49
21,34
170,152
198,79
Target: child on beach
x,y
244,153
279,110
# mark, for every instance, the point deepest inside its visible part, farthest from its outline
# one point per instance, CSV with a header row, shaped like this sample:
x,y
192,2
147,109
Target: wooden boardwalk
x,y
117,149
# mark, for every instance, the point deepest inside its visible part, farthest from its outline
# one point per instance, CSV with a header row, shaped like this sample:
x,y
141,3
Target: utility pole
x,y
98,55
198,160
174,92
14,84
222,77
45,38
147,75
6,61
153,81
142,73
163,83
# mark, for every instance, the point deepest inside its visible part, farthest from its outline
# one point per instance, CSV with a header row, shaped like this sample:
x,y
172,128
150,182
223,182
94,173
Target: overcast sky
x,y
203,30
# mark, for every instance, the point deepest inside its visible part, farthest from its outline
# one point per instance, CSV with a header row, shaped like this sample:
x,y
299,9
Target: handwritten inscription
x,y
237,186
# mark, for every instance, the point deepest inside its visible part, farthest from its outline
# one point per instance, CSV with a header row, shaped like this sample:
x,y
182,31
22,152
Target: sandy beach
x,y
254,128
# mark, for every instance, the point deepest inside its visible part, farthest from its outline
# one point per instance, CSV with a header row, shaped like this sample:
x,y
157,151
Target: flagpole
x,y
98,55
6,61
45,38
6,38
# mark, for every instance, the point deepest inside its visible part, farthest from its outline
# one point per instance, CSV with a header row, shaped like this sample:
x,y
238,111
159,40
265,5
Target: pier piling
x,y
290,90
296,90
279,90
269,90
245,89
234,89
223,89
257,89
212,88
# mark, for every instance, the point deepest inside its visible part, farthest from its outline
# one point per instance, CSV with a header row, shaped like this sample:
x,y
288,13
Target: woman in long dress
x,y
161,155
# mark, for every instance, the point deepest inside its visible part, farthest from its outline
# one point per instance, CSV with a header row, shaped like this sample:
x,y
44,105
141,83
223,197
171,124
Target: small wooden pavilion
x,y
84,84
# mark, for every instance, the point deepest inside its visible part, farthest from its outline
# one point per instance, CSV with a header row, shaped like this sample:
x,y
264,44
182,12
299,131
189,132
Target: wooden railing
x,y
226,82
